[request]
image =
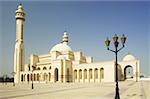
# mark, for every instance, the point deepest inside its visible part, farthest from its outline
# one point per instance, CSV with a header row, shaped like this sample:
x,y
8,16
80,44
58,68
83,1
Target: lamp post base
x,y
117,93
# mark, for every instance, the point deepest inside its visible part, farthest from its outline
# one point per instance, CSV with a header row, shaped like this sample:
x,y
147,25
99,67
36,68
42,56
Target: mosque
x,y
63,65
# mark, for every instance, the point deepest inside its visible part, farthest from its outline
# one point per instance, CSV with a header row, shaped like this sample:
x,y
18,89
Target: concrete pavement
x,y
128,90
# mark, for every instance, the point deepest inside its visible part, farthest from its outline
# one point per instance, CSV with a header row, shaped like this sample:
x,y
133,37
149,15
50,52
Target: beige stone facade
x,y
62,64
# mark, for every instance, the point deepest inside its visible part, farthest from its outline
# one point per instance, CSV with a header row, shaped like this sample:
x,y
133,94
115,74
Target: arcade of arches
x,y
80,75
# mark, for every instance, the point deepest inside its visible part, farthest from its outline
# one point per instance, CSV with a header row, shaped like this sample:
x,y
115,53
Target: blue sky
x,y
87,23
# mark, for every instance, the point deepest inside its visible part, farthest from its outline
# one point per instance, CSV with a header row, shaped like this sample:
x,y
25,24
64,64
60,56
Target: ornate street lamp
x,y
116,43
13,73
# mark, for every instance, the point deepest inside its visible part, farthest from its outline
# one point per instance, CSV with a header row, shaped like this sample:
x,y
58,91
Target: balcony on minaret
x,y
20,14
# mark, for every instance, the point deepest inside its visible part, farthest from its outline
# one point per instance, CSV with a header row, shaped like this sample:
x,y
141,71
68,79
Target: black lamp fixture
x,y
116,43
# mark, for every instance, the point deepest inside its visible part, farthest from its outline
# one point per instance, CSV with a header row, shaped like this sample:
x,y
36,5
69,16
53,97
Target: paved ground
x,y
128,90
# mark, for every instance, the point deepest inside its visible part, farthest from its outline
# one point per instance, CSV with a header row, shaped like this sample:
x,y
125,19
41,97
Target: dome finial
x,y
65,38
20,6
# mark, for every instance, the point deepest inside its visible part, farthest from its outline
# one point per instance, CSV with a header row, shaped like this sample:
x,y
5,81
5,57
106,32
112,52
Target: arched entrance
x,y
22,77
85,73
49,75
90,75
80,75
28,78
56,74
75,75
96,73
68,75
128,72
38,77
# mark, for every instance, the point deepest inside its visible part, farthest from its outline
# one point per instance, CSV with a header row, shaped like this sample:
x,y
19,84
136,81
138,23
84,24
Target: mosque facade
x,y
64,65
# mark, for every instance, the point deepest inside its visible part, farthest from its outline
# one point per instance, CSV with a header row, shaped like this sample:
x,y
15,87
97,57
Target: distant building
x,y
62,64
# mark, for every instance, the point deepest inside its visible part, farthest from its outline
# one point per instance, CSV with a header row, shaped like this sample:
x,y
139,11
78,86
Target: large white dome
x,y
61,48
129,57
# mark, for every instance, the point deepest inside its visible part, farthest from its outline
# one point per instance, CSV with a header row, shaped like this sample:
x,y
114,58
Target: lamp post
x,y
13,73
32,77
116,43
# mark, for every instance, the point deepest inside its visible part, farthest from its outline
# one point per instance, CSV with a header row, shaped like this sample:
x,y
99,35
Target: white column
x,y
99,75
88,75
77,75
93,73
73,77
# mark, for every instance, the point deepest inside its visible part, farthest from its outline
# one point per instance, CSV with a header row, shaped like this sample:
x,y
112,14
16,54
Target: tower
x,y
19,46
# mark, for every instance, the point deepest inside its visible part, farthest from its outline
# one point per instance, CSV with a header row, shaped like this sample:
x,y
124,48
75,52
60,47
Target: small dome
x,y
61,48
129,57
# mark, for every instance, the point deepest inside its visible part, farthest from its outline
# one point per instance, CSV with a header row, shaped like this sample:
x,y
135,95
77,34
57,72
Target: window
x,y
50,68
44,68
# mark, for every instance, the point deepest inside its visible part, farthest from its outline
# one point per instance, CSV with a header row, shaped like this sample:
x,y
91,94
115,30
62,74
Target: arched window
x,y
50,68
44,68
29,68
38,68
56,74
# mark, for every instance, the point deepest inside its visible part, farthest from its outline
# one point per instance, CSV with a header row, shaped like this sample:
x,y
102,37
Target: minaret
x,y
19,46
65,38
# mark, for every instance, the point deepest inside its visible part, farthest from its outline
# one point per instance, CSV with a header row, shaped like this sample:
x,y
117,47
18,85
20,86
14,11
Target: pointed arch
x,y
75,74
90,73
96,73
38,77
68,75
56,74
22,78
44,68
128,72
38,68
28,77
50,68
85,73
49,75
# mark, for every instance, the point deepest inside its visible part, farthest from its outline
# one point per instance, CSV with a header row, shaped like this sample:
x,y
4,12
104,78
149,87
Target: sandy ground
x,y
128,90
